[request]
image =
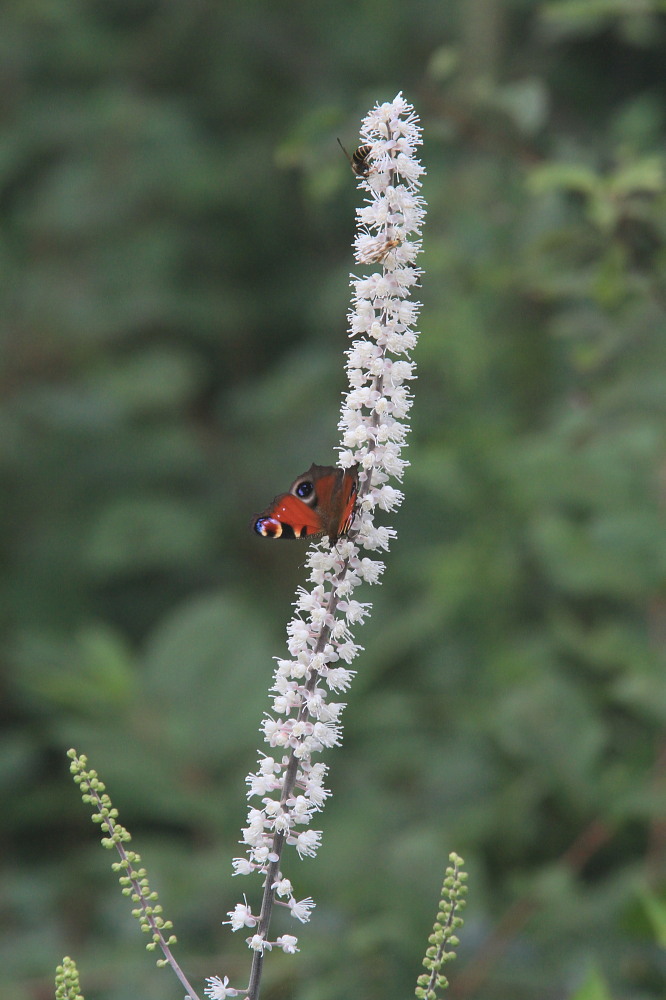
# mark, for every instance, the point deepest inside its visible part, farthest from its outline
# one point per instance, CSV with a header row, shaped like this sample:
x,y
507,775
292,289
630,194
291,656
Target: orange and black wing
x,y
320,502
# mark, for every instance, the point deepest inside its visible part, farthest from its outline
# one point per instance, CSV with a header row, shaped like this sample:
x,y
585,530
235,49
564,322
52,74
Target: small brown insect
x,y
378,254
358,161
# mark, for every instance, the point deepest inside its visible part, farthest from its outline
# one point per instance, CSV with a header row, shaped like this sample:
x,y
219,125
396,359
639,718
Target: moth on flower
x,y
376,249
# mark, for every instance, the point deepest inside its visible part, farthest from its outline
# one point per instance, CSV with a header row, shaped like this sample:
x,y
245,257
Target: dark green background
x,y
174,260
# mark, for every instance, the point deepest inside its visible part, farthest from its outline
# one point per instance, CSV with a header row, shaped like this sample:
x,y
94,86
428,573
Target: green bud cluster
x,y
443,939
93,792
133,879
67,985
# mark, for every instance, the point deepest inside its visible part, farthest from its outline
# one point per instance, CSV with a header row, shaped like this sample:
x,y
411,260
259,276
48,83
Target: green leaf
x,y
146,533
90,672
206,670
593,987
655,910
563,176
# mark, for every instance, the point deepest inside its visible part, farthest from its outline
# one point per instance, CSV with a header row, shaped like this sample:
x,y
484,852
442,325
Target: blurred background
x,y
175,253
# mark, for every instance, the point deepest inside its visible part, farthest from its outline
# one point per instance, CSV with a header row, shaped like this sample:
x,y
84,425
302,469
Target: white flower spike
x,y
287,787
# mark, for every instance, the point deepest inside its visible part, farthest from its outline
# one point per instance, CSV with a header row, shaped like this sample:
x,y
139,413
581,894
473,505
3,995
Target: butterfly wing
x,y
319,502
288,517
339,505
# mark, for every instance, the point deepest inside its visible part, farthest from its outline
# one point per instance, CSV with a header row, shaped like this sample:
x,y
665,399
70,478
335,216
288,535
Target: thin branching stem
x,y
138,892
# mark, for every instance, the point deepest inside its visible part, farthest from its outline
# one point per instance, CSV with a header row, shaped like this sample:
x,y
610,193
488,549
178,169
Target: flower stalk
x,y
288,783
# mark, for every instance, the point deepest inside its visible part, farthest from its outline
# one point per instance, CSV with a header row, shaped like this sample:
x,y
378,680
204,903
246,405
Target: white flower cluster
x,y
287,786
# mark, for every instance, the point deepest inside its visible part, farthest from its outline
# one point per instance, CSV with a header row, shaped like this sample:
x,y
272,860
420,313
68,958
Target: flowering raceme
x,y
287,789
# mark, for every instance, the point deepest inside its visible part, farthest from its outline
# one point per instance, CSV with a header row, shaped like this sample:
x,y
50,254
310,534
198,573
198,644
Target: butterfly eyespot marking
x,y
305,489
268,527
271,527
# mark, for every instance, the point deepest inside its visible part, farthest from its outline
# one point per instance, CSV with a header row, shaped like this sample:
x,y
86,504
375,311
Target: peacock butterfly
x,y
320,502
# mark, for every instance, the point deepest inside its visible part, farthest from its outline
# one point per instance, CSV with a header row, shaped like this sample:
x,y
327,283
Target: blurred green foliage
x,y
176,222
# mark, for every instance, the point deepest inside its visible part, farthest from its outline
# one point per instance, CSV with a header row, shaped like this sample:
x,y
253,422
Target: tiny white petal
x,y
301,909
258,943
218,989
243,867
307,843
283,887
288,943
339,678
241,916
